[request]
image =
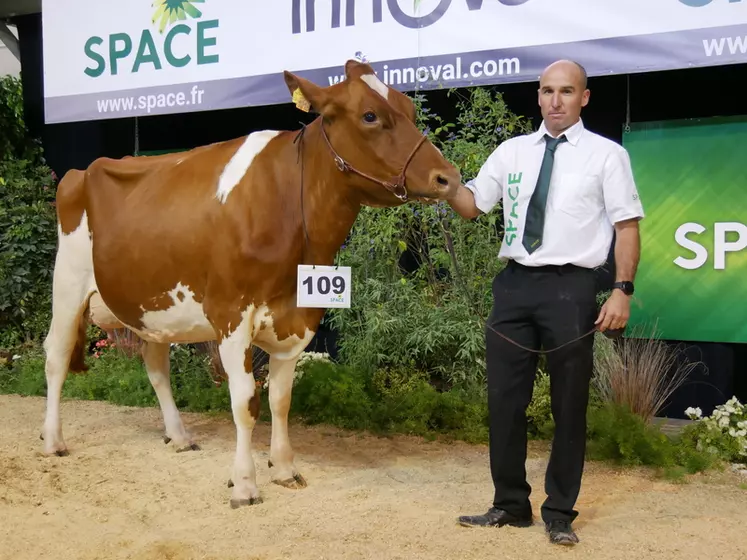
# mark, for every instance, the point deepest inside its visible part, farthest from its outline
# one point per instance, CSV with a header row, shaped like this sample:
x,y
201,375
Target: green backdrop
x,y
692,172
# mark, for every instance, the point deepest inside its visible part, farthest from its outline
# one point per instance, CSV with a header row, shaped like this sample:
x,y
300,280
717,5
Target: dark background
x,y
691,93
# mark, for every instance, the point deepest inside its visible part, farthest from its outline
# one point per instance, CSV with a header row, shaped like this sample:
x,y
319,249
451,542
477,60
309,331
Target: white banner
x,y
107,58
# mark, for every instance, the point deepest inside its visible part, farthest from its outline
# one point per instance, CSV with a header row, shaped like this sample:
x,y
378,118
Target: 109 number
x,y
324,285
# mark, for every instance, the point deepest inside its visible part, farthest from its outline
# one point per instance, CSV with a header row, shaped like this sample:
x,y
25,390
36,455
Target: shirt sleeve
x,y
487,187
621,199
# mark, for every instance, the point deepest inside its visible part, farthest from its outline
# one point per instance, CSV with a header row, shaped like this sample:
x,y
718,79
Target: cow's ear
x,y
306,95
355,69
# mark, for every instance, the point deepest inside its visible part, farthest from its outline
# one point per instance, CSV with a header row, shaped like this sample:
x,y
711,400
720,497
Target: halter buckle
x,y
394,187
341,164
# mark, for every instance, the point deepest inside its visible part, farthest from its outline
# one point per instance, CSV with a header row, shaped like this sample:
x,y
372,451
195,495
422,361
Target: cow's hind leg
x,y
281,453
66,335
65,344
156,359
236,355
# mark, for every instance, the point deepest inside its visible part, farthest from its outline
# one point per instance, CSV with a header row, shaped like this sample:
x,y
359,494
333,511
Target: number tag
x,y
323,286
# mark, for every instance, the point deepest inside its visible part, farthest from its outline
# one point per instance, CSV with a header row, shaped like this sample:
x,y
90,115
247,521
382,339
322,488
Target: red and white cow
x,y
204,246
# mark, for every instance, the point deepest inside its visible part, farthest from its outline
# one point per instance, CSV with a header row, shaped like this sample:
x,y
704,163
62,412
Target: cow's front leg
x,y
281,453
236,355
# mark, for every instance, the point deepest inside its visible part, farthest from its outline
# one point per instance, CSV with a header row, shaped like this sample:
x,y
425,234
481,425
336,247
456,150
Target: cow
x,y
204,246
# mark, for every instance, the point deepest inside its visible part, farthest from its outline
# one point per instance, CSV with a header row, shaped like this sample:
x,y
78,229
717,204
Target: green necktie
x,y
535,222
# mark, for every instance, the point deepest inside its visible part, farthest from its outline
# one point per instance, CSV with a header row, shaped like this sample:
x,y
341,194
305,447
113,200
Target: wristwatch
x,y
626,287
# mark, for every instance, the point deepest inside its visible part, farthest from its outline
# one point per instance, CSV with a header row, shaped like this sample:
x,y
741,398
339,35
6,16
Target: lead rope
x,y
470,301
300,159
137,138
627,104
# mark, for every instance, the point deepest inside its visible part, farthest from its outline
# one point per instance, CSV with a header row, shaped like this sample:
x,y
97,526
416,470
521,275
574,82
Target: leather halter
x,y
393,187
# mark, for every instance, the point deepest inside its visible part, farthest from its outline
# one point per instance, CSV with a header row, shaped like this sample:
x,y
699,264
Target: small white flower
x,y
694,413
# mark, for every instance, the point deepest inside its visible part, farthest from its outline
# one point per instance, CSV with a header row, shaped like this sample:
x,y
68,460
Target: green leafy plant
x,y
430,318
27,225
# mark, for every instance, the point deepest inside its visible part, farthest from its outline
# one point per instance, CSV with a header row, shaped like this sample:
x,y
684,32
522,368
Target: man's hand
x,y
463,202
615,312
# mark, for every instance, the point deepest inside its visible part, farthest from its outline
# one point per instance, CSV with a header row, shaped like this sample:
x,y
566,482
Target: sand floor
x,y
122,493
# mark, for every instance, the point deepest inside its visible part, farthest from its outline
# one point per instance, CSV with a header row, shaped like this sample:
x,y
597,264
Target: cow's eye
x,y
369,117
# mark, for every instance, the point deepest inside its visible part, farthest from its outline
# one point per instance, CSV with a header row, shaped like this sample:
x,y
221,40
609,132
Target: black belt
x,y
556,268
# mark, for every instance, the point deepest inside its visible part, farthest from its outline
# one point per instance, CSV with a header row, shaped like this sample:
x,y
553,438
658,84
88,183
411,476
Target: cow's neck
x,y
330,203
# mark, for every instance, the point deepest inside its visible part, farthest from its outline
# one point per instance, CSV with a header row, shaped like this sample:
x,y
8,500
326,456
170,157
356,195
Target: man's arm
x,y
482,193
624,209
627,250
616,310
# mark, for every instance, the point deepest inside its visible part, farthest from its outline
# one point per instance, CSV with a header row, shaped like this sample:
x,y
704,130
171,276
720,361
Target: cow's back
x,y
158,223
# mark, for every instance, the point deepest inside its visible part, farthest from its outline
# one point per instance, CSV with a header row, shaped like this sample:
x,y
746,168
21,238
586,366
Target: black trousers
x,y
539,307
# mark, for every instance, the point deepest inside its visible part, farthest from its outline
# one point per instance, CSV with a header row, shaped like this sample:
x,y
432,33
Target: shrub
x,y
618,435
429,319
638,372
541,424
122,380
723,434
27,226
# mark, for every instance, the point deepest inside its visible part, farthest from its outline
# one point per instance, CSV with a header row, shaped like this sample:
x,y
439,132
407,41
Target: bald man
x,y
564,192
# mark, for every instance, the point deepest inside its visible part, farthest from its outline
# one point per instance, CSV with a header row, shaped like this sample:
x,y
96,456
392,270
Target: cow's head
x,y
372,128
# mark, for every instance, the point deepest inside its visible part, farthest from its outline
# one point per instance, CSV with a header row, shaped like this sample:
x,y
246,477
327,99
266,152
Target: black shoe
x,y
496,518
560,532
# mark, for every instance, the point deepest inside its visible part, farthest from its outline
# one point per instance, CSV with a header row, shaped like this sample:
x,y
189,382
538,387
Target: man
x,y
564,190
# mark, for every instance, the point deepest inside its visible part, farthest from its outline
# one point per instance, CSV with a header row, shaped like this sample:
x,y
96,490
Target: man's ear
x,y
305,94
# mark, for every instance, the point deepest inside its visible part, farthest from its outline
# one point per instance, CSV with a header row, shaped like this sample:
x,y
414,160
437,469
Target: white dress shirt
x,y
591,188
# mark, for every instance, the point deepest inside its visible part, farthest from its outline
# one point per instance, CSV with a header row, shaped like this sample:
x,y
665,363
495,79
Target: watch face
x,y
626,287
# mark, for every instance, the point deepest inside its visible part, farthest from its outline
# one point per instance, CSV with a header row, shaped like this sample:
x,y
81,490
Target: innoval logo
x,y
171,11
137,50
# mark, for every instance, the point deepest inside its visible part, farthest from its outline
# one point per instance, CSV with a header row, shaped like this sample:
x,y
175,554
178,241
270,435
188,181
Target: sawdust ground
x,y
122,493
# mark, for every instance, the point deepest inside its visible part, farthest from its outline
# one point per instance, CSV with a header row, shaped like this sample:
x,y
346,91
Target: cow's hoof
x,y
60,450
245,502
56,452
295,483
186,447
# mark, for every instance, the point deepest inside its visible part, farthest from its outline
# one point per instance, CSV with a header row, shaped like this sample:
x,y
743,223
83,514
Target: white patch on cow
x,y
267,339
100,315
182,322
232,350
72,285
376,84
241,160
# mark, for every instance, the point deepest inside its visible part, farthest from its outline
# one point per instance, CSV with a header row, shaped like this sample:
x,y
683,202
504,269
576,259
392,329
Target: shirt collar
x,y
573,134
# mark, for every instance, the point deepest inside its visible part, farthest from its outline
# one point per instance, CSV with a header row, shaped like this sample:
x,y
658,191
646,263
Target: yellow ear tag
x,y
300,100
